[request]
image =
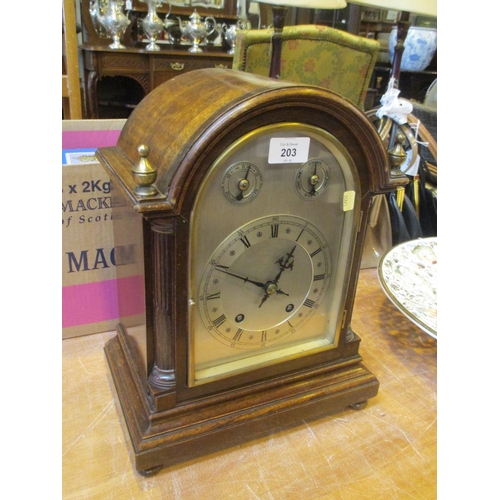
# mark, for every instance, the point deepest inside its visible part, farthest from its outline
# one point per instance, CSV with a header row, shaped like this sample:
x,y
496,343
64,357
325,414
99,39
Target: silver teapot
x,y
197,30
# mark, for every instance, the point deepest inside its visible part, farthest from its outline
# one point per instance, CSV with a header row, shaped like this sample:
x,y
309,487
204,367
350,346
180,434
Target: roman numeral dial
x,y
264,282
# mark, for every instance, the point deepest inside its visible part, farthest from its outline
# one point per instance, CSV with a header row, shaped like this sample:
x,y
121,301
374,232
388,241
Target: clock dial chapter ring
x,y
241,182
264,282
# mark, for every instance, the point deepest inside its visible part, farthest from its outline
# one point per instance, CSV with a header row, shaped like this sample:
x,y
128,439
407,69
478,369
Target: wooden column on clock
x,y
148,69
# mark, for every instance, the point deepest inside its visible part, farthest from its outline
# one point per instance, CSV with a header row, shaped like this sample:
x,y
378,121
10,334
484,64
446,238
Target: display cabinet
x,y
116,80
136,72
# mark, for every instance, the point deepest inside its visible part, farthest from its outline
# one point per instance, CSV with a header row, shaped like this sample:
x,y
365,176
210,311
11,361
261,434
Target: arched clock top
x,y
188,121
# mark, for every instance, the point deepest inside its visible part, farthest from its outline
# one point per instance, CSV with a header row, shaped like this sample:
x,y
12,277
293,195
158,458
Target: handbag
x,y
405,224
413,209
427,200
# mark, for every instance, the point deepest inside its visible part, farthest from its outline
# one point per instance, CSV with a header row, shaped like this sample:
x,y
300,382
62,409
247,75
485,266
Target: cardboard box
x,y
89,292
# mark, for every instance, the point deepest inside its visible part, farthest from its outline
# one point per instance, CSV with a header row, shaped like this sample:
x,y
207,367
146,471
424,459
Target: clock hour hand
x,y
257,283
271,289
266,296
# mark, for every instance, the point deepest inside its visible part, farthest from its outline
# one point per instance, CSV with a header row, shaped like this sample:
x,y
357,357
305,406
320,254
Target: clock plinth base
x,y
199,427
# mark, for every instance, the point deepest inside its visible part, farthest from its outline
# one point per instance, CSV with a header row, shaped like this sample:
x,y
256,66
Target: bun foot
x,y
359,406
150,472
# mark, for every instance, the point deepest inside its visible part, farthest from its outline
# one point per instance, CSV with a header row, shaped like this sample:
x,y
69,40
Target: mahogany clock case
x,y
187,123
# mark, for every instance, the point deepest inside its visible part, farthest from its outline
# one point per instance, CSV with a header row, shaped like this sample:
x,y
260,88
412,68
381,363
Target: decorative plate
x,y
408,275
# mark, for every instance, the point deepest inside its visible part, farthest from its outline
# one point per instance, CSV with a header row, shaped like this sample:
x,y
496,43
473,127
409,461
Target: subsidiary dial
x,y
312,178
241,182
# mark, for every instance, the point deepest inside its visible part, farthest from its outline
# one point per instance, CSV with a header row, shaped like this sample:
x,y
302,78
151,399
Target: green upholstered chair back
x,y
316,55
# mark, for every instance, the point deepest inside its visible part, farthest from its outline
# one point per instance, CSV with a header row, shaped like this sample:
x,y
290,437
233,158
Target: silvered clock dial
x,y
243,304
268,268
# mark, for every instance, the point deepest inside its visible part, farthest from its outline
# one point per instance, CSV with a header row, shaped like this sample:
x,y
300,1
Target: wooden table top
x,y
386,451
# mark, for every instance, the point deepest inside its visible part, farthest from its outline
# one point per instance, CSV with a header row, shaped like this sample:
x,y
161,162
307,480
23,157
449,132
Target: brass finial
x,y
397,154
144,174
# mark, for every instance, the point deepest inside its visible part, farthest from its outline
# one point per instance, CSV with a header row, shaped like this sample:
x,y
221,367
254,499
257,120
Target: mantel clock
x,y
239,205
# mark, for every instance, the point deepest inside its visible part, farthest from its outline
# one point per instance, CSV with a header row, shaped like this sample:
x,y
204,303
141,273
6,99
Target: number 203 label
x,y
289,150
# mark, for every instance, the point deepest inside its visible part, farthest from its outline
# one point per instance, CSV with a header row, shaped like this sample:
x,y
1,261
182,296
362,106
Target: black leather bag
x,y
405,225
413,209
411,219
427,201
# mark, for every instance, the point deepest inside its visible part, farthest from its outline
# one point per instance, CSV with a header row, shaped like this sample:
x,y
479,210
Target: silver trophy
x,y
152,25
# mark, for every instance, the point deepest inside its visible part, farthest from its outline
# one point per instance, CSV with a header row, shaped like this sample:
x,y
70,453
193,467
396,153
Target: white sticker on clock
x,y
289,150
348,200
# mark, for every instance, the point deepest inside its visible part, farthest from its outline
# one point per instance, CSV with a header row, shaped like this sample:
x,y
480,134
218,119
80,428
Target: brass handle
x,y
220,66
177,66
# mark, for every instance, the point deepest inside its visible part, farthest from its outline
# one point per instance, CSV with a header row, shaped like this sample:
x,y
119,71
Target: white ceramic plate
x,y
408,276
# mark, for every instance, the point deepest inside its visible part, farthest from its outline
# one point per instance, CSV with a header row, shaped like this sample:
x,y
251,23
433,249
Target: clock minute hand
x,y
257,283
